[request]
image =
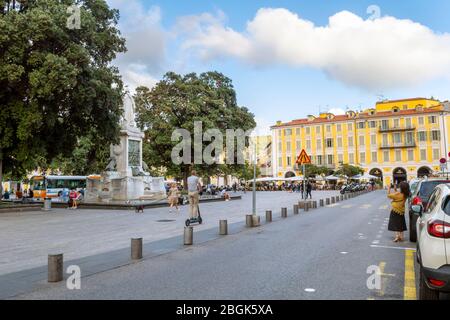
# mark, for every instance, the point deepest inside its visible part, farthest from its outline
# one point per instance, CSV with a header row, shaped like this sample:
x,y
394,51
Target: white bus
x,y
52,186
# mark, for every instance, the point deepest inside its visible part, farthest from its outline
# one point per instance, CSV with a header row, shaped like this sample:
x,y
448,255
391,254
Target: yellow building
x,y
396,140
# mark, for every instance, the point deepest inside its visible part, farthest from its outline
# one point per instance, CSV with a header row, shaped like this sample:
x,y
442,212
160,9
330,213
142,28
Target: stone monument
x,y
124,179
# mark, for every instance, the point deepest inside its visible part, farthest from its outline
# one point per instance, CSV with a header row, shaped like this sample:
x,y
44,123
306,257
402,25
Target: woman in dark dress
x,y
397,221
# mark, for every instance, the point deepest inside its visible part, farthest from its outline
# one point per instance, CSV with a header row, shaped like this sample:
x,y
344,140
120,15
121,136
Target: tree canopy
x,y
349,170
176,102
56,83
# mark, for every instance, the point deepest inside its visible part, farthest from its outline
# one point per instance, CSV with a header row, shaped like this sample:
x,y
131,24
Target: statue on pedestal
x,y
126,176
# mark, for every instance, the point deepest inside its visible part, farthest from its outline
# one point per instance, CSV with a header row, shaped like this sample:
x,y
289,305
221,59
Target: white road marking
x,y
375,241
347,206
344,252
310,290
384,207
365,206
389,247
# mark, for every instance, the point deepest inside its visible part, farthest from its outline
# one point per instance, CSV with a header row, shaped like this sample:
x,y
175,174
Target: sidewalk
x,y
99,240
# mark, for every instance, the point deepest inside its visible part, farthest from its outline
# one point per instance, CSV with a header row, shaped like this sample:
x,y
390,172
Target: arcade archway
x,y
377,173
399,175
424,172
289,174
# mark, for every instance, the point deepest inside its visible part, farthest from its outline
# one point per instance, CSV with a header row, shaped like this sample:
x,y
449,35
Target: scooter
x,y
194,220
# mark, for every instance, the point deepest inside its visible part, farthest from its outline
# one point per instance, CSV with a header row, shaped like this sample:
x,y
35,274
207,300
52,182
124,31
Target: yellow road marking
x,y
409,291
381,266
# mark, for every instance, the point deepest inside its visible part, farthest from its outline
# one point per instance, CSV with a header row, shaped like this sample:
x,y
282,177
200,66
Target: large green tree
x,y
312,170
56,81
175,103
349,170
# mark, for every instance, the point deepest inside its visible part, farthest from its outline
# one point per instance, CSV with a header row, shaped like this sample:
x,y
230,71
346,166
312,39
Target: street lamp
x,y
254,181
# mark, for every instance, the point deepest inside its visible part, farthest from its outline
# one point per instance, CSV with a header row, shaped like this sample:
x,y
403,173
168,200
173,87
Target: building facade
x,y
396,140
262,146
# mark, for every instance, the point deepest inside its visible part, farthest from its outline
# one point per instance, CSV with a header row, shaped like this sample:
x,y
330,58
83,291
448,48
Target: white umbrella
x,y
331,178
298,178
266,179
365,176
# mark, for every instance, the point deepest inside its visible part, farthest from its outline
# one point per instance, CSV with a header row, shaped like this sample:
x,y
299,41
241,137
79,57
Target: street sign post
x,y
443,165
303,159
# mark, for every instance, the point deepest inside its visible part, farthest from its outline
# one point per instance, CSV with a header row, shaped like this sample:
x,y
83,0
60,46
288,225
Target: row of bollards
x,y
56,261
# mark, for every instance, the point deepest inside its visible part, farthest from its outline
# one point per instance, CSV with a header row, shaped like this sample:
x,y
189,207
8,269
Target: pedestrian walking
x,y
174,195
308,190
397,221
194,187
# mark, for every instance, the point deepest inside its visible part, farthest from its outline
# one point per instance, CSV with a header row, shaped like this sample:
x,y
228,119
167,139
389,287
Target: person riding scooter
x,y
194,187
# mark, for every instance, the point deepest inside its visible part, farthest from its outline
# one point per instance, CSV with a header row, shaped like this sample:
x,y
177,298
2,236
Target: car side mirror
x,y
417,209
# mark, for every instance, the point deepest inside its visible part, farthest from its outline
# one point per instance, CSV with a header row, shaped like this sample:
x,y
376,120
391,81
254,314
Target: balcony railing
x,y
411,144
398,128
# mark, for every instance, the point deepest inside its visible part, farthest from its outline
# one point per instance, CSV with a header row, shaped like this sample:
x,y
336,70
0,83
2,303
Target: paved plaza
x,y
26,238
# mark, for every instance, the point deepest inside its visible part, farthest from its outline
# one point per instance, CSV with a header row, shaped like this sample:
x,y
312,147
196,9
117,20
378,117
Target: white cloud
x,y
372,54
146,42
262,127
133,77
336,111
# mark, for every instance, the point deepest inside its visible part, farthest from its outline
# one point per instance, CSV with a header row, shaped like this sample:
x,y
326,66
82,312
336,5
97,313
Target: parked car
x,y
420,194
433,245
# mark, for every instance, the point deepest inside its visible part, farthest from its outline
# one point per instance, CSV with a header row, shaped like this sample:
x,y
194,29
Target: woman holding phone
x,y
397,221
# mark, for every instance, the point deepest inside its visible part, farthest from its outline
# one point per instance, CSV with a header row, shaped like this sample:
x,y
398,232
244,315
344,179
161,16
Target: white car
x,y
433,243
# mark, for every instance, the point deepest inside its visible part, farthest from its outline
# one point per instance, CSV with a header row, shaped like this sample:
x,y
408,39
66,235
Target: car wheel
x,y
426,293
412,228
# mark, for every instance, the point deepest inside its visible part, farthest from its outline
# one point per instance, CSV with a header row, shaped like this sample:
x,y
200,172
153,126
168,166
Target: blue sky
x,y
281,83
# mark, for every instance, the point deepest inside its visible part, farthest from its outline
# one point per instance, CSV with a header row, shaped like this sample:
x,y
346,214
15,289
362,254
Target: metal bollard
x,y
136,248
307,204
314,204
284,212
188,235
327,201
47,204
333,200
337,198
223,227
249,220
268,215
295,209
301,204
341,197
255,220
55,267
321,202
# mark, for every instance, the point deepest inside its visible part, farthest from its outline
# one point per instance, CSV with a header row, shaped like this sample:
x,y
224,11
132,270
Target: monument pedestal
x,y
125,179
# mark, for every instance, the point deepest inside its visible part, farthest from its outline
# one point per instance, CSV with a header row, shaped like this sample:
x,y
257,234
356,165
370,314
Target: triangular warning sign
x,y
303,158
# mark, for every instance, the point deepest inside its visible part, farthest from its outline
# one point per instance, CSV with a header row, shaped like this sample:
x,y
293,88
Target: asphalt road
x,y
326,253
